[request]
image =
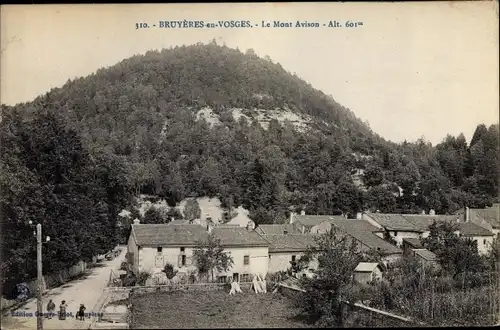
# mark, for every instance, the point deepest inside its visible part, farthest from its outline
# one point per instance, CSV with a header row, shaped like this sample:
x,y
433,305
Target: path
x,y
82,291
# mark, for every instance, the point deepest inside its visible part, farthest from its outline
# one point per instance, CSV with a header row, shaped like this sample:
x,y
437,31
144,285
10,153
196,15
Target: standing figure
x,y
62,310
81,312
51,307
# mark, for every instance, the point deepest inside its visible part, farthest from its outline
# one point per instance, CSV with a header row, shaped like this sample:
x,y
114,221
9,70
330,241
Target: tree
x,y
457,255
192,209
337,258
169,271
153,215
210,257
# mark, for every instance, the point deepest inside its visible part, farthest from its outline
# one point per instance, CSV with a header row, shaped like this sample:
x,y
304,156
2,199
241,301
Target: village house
x,y
151,246
287,248
312,224
277,229
367,272
394,225
483,237
409,244
426,257
488,218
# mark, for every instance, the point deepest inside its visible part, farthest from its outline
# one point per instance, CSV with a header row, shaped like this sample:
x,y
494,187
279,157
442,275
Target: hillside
x,y
207,120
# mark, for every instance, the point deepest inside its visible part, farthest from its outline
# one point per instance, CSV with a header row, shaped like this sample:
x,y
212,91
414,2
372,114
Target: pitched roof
x,y
238,236
490,215
284,243
313,220
290,242
394,222
179,222
471,229
348,225
414,242
366,267
372,241
426,254
277,229
422,221
166,234
191,235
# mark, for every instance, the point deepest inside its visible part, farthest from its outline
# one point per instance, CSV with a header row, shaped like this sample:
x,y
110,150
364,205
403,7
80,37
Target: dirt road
x,y
82,291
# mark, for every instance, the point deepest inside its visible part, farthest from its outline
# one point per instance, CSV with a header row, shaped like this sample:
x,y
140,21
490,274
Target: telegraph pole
x,y
39,320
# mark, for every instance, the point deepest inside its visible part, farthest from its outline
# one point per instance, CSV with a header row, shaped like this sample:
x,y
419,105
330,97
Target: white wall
x,y
280,261
152,261
258,261
483,243
399,235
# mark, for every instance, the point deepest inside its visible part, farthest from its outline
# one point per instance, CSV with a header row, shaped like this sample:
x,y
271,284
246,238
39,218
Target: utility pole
x,y
39,320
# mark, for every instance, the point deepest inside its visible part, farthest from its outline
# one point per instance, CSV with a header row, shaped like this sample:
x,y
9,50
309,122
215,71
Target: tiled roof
x,y
166,234
372,241
191,235
276,229
284,243
238,237
366,267
490,215
179,222
348,225
425,254
394,222
290,242
422,222
469,229
313,220
414,242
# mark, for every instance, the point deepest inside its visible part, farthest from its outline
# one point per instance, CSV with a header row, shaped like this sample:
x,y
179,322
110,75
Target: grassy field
x,y
214,309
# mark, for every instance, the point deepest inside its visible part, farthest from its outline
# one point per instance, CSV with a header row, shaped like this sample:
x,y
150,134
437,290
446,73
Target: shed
x,y
367,271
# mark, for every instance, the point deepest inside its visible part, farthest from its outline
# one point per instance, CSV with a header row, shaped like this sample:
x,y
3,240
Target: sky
x,y
412,70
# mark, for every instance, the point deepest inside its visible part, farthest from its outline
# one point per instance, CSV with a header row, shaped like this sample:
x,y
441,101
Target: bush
x,y
169,271
142,278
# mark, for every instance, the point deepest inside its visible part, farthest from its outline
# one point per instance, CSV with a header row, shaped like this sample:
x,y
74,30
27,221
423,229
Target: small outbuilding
x,y
368,271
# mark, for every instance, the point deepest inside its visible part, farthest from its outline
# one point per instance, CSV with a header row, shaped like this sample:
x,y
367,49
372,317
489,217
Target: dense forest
x,y
74,157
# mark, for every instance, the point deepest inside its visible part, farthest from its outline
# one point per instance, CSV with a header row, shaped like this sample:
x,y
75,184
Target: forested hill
x,y
142,118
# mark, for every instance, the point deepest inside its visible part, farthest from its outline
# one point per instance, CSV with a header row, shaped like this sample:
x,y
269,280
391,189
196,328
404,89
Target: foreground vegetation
x,y
213,309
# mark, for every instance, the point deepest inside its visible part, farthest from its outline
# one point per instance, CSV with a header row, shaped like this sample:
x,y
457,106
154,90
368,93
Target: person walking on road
x,y
62,310
51,307
81,312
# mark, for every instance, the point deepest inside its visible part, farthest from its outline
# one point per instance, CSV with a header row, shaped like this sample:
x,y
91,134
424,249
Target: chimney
x,y
291,217
359,216
137,221
249,226
209,227
303,229
423,212
467,214
432,212
302,212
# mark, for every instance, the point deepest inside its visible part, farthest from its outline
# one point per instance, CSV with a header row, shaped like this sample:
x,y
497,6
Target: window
x,y
159,249
395,233
183,260
246,260
484,241
222,279
183,249
269,256
293,258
